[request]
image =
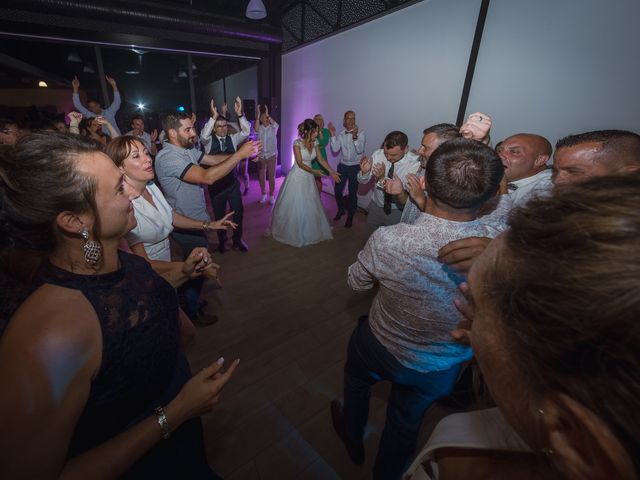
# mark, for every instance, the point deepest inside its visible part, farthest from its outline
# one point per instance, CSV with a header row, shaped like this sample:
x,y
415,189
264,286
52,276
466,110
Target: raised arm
x,y
205,134
359,143
75,83
219,165
112,131
115,105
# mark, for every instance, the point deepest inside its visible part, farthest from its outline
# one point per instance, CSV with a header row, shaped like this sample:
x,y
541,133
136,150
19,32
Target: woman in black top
x,y
94,384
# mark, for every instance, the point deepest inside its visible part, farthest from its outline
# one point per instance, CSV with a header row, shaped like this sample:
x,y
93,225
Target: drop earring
x,y
92,249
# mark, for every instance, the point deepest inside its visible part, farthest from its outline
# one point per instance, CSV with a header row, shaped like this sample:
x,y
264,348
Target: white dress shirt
x,y
351,149
522,190
410,163
237,138
268,138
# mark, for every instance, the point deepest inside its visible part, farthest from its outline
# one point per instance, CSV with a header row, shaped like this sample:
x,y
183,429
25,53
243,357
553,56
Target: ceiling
x,y
39,35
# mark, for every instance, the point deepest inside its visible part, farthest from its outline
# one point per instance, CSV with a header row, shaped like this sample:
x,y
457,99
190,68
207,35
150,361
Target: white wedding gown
x,y
298,217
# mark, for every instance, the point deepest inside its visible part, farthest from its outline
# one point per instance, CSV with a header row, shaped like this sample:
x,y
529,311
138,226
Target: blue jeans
x,y
190,290
412,392
349,174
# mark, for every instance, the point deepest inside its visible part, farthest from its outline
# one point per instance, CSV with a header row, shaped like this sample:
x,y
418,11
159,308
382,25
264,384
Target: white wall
x,y
557,67
552,67
403,71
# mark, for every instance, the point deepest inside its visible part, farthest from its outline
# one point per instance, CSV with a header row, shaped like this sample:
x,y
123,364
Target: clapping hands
x,y
332,129
393,186
237,105
365,164
378,171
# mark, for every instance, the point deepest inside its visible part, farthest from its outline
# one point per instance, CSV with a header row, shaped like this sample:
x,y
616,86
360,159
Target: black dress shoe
x,y
221,247
356,452
339,215
349,222
240,245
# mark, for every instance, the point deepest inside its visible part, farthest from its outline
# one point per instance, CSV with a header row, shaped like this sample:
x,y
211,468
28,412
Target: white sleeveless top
x,y
154,224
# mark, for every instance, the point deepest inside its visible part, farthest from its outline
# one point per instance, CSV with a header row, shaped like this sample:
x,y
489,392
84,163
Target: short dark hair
x,y
172,121
619,147
395,139
136,117
220,118
444,131
7,122
463,173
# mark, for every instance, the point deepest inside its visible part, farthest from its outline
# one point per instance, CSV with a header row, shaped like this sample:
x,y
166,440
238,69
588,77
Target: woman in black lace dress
x,y
93,382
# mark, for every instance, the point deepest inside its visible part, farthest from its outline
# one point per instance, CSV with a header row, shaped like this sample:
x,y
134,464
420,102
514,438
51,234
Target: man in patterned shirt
x,y
406,337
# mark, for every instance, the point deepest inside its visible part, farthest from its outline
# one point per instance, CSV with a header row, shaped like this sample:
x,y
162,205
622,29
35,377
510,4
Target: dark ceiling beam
x,y
295,37
76,36
24,67
158,16
319,13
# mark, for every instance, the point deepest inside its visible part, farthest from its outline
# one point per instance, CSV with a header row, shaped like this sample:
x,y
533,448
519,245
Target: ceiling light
x,y
182,74
42,84
256,10
74,57
132,72
141,106
88,69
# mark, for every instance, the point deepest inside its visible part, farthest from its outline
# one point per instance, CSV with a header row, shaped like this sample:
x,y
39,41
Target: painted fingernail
x,y
220,361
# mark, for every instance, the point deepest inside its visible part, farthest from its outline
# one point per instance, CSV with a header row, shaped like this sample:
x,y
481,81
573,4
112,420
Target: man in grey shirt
x,y
93,107
181,174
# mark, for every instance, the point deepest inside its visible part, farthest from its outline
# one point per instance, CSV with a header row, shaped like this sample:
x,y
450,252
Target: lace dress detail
x,y
142,365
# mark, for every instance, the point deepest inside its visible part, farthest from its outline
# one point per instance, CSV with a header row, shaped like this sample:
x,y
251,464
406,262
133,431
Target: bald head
x,y
524,155
595,154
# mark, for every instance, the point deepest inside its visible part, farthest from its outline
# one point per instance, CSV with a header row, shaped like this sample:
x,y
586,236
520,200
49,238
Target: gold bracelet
x,y
162,422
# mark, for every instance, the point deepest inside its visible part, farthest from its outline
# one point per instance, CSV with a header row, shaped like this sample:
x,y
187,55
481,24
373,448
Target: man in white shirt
x,y
149,140
392,162
350,143
227,189
93,107
525,157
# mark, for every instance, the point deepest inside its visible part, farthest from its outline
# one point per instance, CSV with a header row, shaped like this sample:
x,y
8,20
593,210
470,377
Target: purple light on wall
x,y
303,102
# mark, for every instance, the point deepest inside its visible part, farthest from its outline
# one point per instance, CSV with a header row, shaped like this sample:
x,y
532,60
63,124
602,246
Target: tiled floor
x,y
288,314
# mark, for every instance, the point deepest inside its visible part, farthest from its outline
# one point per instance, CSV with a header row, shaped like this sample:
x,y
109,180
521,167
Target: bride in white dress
x,y
298,217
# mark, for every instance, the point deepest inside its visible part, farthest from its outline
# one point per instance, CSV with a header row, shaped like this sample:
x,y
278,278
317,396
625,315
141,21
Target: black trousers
x,y
232,196
349,174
